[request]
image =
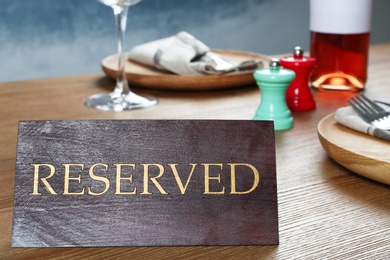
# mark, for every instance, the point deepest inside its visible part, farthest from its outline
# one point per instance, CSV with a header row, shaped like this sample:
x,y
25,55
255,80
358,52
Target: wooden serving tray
x,y
363,154
148,77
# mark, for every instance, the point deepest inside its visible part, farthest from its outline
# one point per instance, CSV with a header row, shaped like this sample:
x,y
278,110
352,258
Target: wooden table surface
x,y
325,211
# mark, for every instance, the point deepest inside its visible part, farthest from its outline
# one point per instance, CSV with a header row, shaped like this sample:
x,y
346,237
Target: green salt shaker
x,y
273,83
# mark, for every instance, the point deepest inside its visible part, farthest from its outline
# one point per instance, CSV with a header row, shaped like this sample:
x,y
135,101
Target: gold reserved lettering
x,y
119,178
98,178
153,179
212,172
43,180
67,178
256,178
207,178
182,187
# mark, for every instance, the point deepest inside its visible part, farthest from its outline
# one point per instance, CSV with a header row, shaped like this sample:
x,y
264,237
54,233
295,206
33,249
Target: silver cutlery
x,y
223,65
370,112
383,103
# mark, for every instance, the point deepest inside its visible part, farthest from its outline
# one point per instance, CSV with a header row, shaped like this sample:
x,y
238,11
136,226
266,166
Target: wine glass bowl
x,y
122,98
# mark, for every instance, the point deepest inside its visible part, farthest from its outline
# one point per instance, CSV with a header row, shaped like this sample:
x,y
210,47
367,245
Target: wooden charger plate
x,y
360,153
148,77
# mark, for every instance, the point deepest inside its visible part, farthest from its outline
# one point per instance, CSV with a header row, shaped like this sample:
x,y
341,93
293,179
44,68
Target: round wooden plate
x,y
151,78
360,153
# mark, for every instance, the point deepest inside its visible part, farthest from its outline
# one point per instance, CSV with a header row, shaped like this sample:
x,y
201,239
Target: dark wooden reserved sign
x,y
145,183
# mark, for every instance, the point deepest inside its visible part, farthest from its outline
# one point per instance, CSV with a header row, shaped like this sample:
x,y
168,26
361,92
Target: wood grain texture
x,y
366,155
325,210
151,209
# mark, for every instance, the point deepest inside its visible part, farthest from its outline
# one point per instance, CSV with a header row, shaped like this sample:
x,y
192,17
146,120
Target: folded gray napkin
x,y
181,54
346,116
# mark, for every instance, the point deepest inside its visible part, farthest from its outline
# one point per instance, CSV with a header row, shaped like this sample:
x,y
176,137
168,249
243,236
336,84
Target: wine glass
x,y
122,98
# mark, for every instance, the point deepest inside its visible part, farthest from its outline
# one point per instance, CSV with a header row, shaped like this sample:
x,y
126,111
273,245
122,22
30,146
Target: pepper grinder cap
x,y
298,52
297,59
274,73
275,64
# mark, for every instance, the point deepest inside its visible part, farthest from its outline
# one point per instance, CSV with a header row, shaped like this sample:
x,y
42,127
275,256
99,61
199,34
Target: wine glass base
x,y
119,102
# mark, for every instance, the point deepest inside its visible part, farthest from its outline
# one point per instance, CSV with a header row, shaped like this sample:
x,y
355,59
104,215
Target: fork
x,y
370,112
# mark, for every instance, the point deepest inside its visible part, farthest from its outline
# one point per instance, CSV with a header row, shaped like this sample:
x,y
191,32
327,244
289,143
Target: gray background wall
x,y
45,38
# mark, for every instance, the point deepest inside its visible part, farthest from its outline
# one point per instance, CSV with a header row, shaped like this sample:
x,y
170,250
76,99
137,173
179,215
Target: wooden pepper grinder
x,y
273,83
298,95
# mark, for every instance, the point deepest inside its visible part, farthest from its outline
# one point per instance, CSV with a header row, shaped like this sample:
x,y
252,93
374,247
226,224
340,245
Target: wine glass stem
x,y
120,13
